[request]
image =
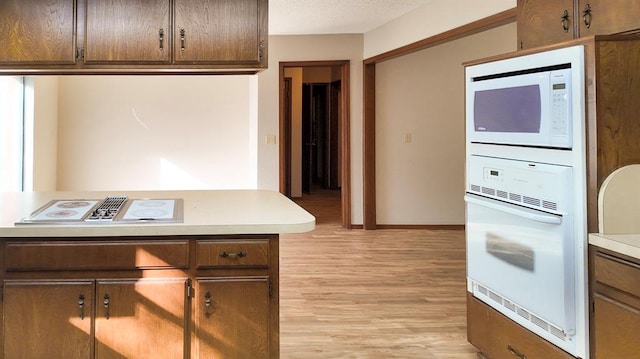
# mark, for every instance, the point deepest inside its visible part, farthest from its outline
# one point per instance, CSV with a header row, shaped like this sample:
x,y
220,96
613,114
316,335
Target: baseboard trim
x,y
434,227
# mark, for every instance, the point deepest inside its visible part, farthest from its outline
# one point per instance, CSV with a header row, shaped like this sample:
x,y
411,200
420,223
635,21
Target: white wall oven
x,y
525,193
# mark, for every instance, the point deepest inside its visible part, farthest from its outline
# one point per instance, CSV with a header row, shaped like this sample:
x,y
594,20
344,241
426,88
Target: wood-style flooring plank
x,y
371,294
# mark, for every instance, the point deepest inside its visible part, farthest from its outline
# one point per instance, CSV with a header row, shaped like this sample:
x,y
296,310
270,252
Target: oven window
x,y
513,109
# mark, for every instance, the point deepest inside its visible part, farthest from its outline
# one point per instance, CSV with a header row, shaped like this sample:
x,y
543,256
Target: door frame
x,y
345,129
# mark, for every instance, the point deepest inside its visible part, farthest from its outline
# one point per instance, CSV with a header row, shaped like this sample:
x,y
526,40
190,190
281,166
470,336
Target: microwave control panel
x,y
560,106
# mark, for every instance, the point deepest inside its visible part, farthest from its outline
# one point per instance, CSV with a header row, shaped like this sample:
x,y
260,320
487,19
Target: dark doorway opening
x,y
314,131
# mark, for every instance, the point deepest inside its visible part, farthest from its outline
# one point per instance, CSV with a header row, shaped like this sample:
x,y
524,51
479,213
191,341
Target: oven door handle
x,y
514,210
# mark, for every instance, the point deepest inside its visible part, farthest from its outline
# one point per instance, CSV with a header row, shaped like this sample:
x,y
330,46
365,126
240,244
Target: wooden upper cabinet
x,y
127,31
220,31
598,17
542,22
38,32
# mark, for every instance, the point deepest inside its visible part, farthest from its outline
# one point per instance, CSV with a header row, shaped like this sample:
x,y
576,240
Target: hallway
x,y
371,294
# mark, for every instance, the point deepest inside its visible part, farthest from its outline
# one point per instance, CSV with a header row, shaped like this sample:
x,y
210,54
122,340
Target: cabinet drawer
x,y
98,255
618,273
498,337
232,253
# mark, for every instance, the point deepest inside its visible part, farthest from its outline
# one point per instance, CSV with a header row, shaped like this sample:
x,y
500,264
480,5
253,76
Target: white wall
x,y
45,133
431,19
155,132
310,48
422,95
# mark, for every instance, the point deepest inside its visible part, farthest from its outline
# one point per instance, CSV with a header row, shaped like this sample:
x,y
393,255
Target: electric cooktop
x,y
112,209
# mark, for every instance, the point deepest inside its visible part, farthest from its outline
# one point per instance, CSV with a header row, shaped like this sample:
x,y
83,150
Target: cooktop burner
x,y
113,209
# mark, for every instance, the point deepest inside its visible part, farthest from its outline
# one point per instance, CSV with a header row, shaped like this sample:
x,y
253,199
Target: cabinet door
x,y
37,32
47,319
121,31
607,16
617,329
140,318
540,22
232,318
218,31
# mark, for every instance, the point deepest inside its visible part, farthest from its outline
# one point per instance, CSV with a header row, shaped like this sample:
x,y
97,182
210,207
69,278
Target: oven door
x,y
521,262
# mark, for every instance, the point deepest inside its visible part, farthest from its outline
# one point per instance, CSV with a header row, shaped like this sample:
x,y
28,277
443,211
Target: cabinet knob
x,y
586,16
565,21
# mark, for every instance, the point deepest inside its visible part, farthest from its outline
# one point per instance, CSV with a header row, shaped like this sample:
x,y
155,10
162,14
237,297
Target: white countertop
x,y
205,212
627,244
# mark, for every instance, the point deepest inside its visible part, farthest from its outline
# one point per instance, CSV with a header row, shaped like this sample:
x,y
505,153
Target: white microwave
x,y
523,101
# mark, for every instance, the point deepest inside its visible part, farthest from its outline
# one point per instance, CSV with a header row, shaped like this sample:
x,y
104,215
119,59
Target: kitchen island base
x,y
192,296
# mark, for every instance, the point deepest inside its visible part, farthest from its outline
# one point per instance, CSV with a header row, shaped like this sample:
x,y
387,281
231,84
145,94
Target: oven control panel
x,y
536,185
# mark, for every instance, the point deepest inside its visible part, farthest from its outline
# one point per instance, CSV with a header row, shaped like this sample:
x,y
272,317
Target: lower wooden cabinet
x,y
189,306
140,318
498,337
48,319
616,306
234,311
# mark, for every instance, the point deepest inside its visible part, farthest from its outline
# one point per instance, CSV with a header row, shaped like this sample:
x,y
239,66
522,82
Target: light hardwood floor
x,y
371,294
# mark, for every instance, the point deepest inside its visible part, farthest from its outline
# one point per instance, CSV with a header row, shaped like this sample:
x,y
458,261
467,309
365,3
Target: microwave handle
x,y
511,209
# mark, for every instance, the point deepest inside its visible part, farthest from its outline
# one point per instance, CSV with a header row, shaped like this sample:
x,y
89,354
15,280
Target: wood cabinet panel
x,y
498,337
34,310
238,253
140,318
616,273
233,311
134,311
36,32
607,16
79,255
617,329
127,31
541,22
615,321
217,31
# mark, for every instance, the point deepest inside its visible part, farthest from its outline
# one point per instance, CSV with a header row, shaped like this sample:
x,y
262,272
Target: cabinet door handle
x,y
241,254
81,305
161,35
515,352
105,301
183,35
586,16
207,304
565,21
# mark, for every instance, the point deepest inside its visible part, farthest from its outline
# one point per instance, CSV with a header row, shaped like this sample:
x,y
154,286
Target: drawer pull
x,y
233,255
515,352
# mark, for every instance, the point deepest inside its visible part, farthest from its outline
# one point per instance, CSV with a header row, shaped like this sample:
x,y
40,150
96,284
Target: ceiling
x,y
304,17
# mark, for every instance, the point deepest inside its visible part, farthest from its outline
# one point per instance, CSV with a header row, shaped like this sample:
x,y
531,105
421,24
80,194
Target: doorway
x,y
314,132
